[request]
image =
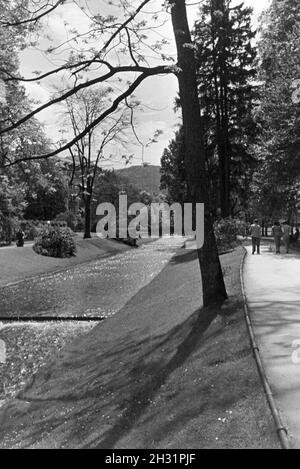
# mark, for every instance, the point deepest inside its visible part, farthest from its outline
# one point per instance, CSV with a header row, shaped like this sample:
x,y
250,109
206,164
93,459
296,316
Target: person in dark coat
x,y
255,233
20,238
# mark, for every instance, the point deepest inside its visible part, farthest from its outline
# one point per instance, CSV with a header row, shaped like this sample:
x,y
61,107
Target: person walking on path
x,y
287,230
277,233
255,232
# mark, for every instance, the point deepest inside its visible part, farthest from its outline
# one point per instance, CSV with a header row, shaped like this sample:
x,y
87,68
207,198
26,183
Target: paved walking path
x,y
272,284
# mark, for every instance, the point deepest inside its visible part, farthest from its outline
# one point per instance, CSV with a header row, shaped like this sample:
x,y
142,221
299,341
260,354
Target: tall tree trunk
x,y
87,218
225,137
218,113
222,108
212,277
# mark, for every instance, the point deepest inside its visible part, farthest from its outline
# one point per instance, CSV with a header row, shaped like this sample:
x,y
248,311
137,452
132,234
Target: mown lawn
x,y
162,373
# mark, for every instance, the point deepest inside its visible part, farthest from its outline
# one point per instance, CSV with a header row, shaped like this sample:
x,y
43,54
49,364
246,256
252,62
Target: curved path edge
x,y
280,428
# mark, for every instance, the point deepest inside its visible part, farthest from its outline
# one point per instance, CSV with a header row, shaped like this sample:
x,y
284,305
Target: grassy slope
x,y
160,374
214,399
18,263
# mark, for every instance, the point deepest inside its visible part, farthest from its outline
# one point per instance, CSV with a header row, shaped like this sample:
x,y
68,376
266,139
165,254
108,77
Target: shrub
x,y
32,232
8,226
54,241
72,220
227,231
31,228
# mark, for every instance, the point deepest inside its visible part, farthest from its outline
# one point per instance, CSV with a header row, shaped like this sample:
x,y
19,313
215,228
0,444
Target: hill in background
x,y
145,178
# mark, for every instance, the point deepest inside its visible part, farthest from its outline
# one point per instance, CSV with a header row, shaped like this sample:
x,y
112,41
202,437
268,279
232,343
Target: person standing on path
x,y
277,233
255,233
287,230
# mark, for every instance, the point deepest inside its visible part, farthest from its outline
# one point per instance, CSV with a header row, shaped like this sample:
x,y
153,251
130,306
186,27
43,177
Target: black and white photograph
x,y
149,227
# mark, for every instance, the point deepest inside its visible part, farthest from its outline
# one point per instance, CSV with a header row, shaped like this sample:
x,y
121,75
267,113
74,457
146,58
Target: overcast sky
x,y
156,93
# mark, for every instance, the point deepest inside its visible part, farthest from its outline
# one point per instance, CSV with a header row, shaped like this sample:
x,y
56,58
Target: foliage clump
x,y
55,242
227,231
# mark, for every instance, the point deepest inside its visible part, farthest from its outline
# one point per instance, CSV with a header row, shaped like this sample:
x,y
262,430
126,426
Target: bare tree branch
x,y
130,48
132,123
144,70
120,29
147,73
12,77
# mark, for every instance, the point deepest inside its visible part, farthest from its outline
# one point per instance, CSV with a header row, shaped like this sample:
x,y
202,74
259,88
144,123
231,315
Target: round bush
x,y
55,242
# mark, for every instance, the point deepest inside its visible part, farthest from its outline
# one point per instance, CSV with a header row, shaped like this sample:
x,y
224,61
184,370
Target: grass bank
x,y
20,263
162,373
214,398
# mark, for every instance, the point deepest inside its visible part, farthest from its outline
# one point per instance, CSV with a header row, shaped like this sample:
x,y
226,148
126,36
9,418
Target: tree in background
x,y
108,186
225,71
276,184
89,150
223,38
12,206
173,175
43,188
31,186
35,190
46,189
16,35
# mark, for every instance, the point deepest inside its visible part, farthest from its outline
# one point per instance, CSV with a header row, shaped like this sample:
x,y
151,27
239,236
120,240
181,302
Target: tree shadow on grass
x,y
157,373
119,381
189,255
